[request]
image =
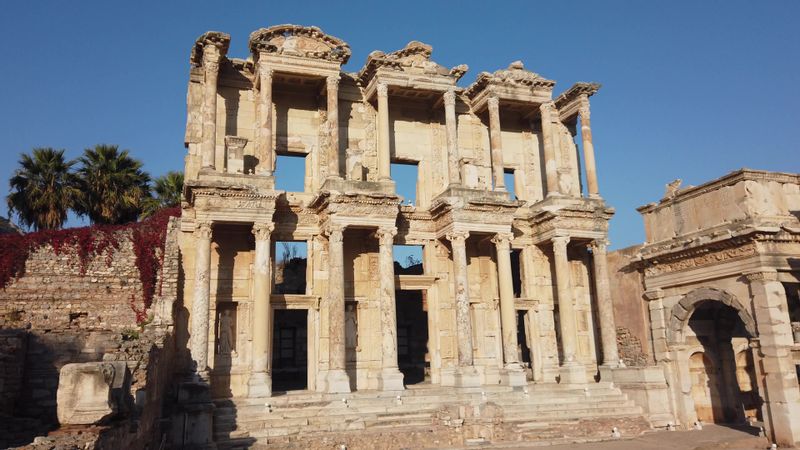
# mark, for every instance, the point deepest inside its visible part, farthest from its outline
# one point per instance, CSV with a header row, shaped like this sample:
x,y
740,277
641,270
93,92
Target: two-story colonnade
x,y
511,290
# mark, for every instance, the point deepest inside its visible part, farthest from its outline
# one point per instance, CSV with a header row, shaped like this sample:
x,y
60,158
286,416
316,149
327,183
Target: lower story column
x,y
514,375
260,384
465,374
571,370
391,379
337,380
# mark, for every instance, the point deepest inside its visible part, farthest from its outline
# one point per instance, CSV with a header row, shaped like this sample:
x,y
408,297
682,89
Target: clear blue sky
x,y
691,90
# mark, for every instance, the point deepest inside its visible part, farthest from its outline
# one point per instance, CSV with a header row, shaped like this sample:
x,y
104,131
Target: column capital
x,y
457,236
264,70
493,102
262,231
560,242
583,107
654,294
599,246
547,107
334,231
332,81
383,90
211,54
502,239
386,233
202,229
449,97
762,275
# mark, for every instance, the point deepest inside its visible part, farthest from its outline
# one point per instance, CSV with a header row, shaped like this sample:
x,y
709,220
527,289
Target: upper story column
x,y
263,144
496,143
451,127
332,83
588,147
384,157
200,298
549,138
211,59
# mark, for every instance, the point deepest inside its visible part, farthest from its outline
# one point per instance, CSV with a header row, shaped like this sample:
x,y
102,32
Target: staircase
x,y
427,416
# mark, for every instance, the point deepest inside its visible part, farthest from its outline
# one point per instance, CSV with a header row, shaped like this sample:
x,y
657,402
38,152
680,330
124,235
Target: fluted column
x,y
550,163
211,58
332,83
200,299
513,375
496,143
264,151
605,305
571,371
781,408
463,317
260,384
588,148
391,379
338,380
451,128
384,156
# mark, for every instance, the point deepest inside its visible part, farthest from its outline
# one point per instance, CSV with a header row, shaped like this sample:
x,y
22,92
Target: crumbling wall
x,y
630,308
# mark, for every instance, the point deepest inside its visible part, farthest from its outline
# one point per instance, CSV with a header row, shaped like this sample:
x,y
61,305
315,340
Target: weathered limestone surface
x,y
90,392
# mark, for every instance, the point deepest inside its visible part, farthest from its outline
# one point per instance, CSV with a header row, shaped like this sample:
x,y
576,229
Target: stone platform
x,y
428,417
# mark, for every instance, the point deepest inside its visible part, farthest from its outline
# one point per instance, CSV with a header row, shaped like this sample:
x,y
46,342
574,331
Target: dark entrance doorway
x,y
412,336
522,342
290,350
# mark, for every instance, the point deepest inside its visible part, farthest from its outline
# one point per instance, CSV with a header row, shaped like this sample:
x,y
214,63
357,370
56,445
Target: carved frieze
x,y
699,258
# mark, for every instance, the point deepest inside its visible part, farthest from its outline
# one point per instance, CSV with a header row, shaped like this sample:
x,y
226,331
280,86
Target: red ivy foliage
x,y
148,238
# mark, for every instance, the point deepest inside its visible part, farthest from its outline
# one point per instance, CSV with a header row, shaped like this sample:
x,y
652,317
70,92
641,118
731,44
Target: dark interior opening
x,y
516,273
522,340
290,350
412,336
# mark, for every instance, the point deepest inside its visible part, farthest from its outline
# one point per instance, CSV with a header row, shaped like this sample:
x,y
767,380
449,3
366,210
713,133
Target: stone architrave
x,y
496,143
508,313
90,393
588,147
781,406
384,157
260,384
200,300
571,371
264,151
337,381
549,137
391,379
451,128
605,307
332,84
211,59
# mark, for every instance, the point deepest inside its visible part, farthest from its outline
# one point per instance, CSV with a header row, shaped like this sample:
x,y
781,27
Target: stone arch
x,y
682,311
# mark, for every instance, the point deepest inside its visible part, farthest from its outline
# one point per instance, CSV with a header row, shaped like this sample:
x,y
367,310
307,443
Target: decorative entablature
x,y
584,218
408,72
222,202
482,216
514,87
356,209
415,226
294,221
298,50
569,103
218,39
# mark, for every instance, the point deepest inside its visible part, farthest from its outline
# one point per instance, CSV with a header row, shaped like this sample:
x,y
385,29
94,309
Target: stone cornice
x,y
217,38
575,92
298,40
515,75
413,59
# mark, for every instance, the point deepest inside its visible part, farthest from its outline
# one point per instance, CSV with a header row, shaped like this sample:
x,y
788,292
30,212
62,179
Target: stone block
x,y
90,393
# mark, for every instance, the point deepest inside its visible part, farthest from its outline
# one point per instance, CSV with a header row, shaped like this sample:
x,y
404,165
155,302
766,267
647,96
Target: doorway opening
x,y
522,342
290,350
412,336
723,378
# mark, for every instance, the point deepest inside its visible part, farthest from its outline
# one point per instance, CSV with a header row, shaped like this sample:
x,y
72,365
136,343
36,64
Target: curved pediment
x,y
297,40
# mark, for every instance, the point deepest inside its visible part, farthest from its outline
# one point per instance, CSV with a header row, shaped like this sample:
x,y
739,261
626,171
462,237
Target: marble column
x,y
211,58
549,143
200,298
451,128
264,151
465,374
332,83
781,394
260,384
384,155
338,381
571,371
391,379
605,306
514,375
588,148
496,143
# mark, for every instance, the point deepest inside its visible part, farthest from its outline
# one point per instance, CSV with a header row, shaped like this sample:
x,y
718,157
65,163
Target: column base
x,y
514,375
260,385
573,373
338,381
465,376
391,380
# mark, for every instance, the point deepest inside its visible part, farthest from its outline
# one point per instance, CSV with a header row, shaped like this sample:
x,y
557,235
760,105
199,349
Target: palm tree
x,y
113,187
167,189
42,189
